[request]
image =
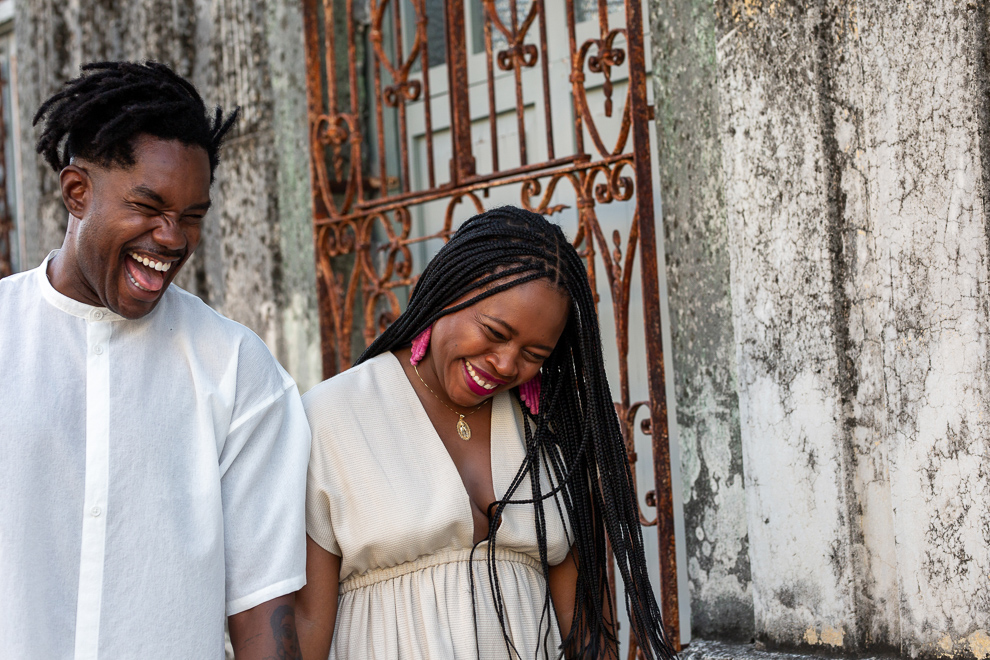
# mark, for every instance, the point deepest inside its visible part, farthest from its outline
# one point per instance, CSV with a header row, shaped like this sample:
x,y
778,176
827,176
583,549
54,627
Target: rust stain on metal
x,y
363,225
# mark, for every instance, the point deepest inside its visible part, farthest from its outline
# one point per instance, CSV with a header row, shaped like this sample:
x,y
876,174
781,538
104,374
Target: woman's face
x,y
497,343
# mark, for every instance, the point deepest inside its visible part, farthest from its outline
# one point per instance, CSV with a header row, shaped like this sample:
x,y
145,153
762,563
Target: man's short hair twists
x,y
98,115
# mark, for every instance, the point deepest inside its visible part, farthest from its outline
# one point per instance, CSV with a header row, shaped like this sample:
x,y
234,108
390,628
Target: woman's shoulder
x,y
355,384
343,405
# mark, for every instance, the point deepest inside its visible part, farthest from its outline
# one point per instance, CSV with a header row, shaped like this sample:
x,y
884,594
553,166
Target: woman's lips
x,y
480,382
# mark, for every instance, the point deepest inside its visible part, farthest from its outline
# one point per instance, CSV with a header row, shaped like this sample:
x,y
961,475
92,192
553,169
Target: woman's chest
x,y
402,496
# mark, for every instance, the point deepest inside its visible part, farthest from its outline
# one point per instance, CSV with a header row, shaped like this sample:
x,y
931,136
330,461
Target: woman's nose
x,y
503,363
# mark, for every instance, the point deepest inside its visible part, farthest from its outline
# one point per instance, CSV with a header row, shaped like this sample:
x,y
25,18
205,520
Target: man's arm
x,y
266,631
318,600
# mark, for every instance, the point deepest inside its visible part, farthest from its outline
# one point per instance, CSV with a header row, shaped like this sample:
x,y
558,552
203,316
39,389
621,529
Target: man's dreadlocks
x,y
575,437
99,114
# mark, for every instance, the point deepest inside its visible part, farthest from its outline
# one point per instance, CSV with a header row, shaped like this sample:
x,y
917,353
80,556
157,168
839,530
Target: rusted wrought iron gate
x,y
385,117
6,219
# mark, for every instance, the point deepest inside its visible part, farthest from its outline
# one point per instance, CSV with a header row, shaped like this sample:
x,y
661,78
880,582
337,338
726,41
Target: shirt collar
x,y
67,304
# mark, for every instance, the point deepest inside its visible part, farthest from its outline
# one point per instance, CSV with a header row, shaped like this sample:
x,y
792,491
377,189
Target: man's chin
x,y
133,308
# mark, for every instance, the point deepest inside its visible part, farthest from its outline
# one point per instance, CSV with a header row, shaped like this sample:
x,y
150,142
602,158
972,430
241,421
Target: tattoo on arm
x,y
283,623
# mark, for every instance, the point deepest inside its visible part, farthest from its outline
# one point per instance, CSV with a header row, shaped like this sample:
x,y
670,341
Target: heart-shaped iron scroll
x,y
601,61
518,54
402,90
336,132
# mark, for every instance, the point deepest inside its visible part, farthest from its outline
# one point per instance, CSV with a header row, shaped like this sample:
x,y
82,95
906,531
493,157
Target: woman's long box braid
x,y
575,440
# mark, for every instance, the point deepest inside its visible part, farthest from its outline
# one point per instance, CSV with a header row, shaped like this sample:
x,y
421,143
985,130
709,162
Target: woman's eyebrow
x,y
512,331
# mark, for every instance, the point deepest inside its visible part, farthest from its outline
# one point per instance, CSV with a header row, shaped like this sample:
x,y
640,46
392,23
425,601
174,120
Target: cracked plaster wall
x,y
852,170
703,348
255,262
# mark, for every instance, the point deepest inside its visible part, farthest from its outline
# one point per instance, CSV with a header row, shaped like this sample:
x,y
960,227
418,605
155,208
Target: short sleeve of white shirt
x,y
263,493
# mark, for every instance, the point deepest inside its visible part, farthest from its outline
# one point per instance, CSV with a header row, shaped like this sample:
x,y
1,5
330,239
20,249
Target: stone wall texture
x,y
825,171
255,264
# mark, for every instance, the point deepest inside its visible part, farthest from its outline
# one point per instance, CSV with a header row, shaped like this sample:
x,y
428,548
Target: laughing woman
x,y
467,471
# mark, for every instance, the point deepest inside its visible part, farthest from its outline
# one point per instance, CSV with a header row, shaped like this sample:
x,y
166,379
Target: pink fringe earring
x,y
529,392
419,345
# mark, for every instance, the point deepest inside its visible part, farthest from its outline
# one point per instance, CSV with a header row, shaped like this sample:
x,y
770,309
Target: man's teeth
x,y
476,378
162,266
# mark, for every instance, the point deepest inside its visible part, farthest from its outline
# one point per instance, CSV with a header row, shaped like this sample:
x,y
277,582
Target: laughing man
x,y
152,453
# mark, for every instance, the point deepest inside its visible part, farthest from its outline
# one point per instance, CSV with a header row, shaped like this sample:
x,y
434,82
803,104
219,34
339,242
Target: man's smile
x,y
150,262
147,272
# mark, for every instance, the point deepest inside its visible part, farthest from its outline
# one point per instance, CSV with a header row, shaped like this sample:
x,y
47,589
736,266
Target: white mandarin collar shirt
x,y
152,476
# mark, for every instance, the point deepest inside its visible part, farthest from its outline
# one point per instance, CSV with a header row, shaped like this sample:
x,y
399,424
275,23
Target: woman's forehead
x,y
540,297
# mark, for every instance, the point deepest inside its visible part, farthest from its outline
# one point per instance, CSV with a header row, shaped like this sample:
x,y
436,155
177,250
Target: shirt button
x,y
98,349
97,511
97,315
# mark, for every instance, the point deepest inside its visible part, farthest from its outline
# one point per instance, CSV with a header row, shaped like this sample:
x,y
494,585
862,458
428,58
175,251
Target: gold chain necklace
x,y
463,429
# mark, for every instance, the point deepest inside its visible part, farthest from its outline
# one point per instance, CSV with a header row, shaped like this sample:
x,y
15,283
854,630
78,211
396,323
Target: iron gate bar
x,y
545,60
379,107
463,165
642,114
490,71
368,219
6,219
479,182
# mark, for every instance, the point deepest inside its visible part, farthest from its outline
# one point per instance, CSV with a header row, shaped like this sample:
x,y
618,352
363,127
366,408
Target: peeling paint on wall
x,y
979,644
827,637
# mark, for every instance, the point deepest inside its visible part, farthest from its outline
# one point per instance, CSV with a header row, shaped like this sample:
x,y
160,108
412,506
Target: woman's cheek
x,y
527,373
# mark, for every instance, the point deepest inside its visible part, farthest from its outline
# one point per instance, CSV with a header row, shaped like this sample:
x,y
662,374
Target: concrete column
x,y
255,263
924,244
703,346
791,318
853,179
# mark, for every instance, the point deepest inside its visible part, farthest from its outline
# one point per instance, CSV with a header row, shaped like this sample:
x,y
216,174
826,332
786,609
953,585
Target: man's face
x,y
140,225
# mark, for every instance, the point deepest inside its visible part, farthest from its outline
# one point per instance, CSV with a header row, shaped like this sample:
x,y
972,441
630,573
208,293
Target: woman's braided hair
x,y
99,114
575,437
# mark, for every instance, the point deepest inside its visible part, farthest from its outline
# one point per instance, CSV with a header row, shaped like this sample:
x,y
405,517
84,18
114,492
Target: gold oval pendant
x,y
463,429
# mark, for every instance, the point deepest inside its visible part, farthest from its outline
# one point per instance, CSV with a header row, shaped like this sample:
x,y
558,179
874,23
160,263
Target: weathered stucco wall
x,y
697,260
255,263
851,165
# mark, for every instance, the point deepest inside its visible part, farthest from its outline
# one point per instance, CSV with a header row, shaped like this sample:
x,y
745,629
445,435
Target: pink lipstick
x,y
480,382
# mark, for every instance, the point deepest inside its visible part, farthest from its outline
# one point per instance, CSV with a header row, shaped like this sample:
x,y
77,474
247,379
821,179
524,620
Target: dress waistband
x,y
447,556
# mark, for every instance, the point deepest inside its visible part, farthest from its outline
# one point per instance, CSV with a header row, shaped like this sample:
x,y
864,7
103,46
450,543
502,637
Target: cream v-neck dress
x,y
384,495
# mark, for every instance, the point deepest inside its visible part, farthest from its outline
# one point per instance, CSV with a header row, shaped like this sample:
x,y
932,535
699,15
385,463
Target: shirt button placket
x,y
94,524
95,316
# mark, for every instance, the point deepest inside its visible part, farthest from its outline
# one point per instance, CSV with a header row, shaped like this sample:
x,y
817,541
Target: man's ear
x,y
77,189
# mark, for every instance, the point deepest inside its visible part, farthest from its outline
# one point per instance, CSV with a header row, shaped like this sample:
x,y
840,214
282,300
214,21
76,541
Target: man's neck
x,y
65,277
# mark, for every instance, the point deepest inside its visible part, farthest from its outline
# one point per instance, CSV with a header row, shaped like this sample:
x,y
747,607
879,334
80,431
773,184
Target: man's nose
x,y
169,233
